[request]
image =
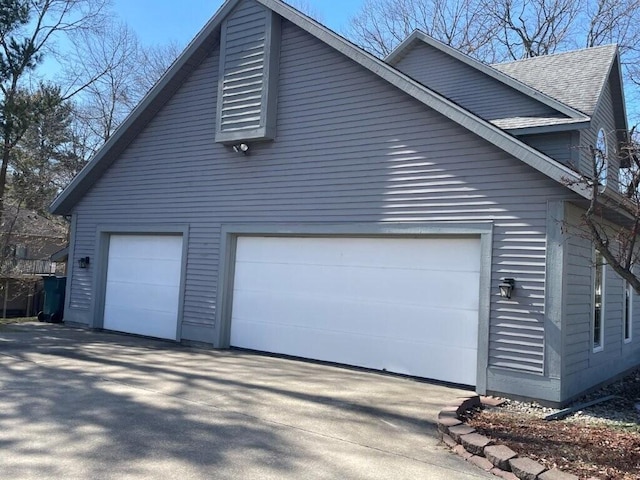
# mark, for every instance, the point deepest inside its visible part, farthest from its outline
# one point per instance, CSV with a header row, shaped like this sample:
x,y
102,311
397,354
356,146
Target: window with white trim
x,y
597,333
627,312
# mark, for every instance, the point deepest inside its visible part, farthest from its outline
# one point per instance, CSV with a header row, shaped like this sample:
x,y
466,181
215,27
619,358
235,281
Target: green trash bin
x,y
53,308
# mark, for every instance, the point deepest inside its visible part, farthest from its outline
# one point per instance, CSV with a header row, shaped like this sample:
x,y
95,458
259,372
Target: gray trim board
x,y
230,233
554,299
103,234
484,310
620,109
68,312
418,35
198,49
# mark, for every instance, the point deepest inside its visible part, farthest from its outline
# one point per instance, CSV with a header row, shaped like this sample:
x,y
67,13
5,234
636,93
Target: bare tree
x,y
305,7
494,29
28,30
529,28
114,71
616,21
104,66
382,24
153,62
498,30
617,242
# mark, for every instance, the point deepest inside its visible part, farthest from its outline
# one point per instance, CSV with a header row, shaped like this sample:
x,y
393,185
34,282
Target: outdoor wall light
x,y
506,287
241,148
83,262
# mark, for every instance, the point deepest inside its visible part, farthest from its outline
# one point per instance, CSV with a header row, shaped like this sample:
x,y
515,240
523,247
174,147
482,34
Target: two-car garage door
x,y
405,305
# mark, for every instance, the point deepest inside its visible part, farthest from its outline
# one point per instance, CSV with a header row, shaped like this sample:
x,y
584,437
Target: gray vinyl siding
x,y
603,117
468,87
81,278
561,146
351,149
583,368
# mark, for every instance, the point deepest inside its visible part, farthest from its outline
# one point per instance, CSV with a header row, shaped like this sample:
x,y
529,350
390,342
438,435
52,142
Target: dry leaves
x,y
584,450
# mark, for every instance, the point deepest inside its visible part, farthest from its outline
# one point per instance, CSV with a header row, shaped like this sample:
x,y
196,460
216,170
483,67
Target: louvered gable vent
x,y
248,78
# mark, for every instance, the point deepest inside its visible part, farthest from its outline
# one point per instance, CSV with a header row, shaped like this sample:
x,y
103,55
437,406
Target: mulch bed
x,y
584,450
601,441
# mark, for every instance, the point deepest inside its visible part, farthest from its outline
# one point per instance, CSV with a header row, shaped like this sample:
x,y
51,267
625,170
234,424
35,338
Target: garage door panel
x,y
157,297
149,322
150,247
401,321
370,252
155,271
405,305
142,289
410,285
369,351
310,309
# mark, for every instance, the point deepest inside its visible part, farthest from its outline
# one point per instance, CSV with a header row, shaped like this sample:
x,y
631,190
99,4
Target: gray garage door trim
x,y
230,233
100,266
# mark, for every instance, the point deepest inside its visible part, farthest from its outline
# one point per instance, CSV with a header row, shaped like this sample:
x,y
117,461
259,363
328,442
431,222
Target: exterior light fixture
x,y
83,262
506,287
241,148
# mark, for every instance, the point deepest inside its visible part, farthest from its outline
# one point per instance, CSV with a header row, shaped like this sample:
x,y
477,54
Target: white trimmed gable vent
x,y
248,78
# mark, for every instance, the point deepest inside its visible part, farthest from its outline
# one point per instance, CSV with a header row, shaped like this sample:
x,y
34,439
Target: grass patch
x,y
9,321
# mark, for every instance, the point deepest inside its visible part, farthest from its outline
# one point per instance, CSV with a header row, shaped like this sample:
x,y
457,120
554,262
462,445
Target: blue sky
x,y
164,21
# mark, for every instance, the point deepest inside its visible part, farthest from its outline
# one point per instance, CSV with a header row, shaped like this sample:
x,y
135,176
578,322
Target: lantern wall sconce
x,y
506,287
83,262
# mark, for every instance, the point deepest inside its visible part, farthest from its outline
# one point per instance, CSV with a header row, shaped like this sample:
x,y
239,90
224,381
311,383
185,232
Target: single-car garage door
x,y
143,285
404,305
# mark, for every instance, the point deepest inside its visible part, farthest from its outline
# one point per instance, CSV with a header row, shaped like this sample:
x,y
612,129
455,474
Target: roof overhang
x,y
560,127
61,255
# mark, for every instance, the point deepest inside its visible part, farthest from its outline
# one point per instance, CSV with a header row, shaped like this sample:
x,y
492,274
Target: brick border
x,y
497,459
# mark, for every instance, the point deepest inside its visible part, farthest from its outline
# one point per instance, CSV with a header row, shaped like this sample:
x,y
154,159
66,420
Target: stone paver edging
x,y
499,460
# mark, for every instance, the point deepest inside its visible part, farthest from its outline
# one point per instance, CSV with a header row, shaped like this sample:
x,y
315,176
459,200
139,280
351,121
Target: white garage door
x,y
143,285
402,305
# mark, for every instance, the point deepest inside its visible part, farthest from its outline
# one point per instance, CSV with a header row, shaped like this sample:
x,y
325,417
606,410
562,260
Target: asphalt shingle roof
x,y
574,78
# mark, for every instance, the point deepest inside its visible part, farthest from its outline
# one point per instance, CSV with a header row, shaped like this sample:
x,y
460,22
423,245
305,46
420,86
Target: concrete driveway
x,y
76,404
